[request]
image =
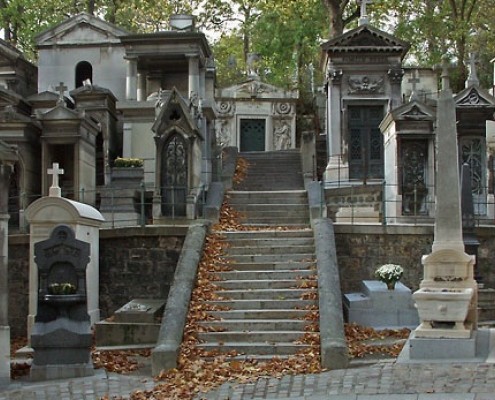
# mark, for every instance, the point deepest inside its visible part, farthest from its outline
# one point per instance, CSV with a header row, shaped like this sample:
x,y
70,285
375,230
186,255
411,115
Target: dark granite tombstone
x,y
61,337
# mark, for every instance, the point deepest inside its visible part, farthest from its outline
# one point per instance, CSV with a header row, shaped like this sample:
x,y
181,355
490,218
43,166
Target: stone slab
x,y
122,333
62,371
442,349
380,308
141,311
4,353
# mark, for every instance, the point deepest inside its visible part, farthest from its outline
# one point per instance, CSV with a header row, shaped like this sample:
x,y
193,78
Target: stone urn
x,y
443,307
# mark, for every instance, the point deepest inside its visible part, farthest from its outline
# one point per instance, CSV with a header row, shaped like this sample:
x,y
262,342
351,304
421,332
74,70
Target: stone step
x,y
282,213
261,207
267,234
271,222
263,294
257,274
259,250
254,350
264,304
275,197
271,258
271,337
273,266
259,314
257,325
267,242
258,284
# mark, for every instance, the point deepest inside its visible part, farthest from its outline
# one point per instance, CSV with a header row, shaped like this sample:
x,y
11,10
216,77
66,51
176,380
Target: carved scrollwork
x,y
395,74
365,84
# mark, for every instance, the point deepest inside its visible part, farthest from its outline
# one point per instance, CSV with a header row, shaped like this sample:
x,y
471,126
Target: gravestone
x,y
46,213
381,308
447,297
137,323
61,337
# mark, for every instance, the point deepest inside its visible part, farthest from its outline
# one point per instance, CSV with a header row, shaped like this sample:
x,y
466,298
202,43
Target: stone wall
x,y
141,262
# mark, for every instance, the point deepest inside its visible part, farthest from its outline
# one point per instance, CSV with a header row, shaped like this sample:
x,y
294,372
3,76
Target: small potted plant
x,y
389,274
128,169
63,288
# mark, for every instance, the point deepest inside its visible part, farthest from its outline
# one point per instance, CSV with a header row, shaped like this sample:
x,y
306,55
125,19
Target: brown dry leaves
x,y
120,361
360,341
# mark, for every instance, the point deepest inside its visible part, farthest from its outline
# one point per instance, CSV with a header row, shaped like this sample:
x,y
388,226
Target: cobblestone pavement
x,y
381,381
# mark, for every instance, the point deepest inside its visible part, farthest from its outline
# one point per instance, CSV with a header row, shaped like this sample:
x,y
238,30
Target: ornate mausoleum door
x,y
252,135
365,142
414,187
174,177
473,152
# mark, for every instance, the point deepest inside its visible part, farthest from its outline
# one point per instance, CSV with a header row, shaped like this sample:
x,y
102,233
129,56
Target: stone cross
x,y
55,171
61,88
363,19
414,80
472,79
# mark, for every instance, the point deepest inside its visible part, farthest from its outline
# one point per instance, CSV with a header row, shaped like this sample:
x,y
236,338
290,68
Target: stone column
x,y
141,87
5,172
127,140
193,74
336,171
131,78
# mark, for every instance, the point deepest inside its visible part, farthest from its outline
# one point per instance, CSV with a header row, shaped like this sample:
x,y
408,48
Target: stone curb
x,y
334,353
164,355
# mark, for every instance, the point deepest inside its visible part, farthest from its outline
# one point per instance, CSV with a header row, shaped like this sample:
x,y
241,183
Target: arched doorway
x,y
84,71
174,176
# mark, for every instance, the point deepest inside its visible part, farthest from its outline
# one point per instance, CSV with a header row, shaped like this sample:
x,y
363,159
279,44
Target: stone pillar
x,y
131,79
5,172
193,75
141,87
127,140
336,171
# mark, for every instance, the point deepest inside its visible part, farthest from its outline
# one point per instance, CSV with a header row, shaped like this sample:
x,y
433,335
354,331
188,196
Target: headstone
x,y
447,297
48,212
61,337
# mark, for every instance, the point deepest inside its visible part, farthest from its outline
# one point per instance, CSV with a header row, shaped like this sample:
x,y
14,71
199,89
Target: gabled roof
x,y
60,112
414,111
81,29
366,38
474,97
175,113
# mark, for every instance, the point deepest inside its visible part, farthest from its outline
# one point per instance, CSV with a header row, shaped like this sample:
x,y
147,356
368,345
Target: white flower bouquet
x,y
389,274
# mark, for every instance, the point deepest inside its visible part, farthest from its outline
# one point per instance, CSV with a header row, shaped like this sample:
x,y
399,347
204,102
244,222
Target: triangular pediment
x,y
60,112
473,97
81,29
414,111
366,38
254,88
174,115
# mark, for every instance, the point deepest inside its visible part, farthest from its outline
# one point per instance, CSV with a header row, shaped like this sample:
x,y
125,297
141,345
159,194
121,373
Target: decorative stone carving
x,y
395,74
334,75
222,132
282,108
365,84
281,136
225,108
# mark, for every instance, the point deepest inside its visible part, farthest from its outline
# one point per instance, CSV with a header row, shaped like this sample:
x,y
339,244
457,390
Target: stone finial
x,y
472,79
55,171
363,18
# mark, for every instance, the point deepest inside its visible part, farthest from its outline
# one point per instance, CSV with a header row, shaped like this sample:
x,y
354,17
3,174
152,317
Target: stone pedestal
x,y
4,355
381,308
119,202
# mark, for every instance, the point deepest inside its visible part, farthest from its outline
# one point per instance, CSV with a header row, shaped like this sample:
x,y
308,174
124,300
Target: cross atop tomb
x,y
414,80
61,88
363,19
472,79
55,171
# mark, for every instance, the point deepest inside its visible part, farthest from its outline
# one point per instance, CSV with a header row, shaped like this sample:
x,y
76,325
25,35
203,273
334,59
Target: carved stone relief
x,y
282,108
365,84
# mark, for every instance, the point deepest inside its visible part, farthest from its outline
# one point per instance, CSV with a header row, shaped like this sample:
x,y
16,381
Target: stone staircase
x,y
266,294
271,286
